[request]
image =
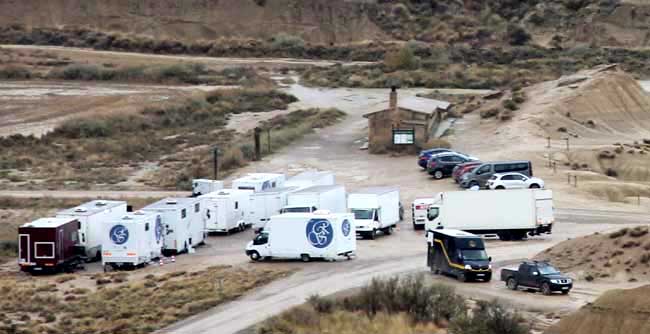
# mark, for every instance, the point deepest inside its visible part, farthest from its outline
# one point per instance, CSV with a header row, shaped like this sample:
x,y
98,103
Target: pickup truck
x,y
536,275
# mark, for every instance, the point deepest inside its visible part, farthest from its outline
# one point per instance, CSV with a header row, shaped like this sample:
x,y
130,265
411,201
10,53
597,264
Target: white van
x,y
267,203
331,198
204,186
92,216
259,181
183,221
419,210
132,241
305,236
225,210
375,209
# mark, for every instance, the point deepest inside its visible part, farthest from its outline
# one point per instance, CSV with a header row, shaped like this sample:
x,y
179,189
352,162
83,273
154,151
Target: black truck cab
x,y
459,254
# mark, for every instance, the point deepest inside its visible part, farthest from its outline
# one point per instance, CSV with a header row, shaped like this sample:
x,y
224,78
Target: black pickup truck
x,y
537,276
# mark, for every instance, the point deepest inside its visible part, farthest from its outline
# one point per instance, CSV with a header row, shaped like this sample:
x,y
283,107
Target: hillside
x,y
615,312
615,23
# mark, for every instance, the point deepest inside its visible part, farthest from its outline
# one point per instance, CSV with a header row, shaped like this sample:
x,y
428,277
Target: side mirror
x,y
535,273
490,259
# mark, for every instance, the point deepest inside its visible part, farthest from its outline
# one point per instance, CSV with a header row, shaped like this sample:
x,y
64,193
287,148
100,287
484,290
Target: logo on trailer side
x,y
159,229
119,234
346,227
319,233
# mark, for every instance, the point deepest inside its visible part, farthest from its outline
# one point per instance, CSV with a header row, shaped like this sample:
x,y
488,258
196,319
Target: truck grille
x,y
475,267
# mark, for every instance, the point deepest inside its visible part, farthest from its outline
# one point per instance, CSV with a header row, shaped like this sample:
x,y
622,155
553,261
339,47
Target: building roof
x,y
91,208
415,104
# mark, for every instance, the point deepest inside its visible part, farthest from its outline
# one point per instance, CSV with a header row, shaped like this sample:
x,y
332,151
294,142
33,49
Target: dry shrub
x,y
638,231
489,113
437,143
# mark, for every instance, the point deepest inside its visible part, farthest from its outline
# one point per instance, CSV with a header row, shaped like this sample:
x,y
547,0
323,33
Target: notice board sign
x,y
403,136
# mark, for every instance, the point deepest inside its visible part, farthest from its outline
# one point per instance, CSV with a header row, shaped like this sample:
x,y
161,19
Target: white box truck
x,y
305,236
183,220
204,186
331,198
311,178
267,203
92,216
510,214
375,209
225,210
259,181
419,210
132,241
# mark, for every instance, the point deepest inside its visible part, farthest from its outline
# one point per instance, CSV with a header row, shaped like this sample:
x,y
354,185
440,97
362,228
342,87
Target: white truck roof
x,y
137,216
91,208
376,190
275,190
49,222
224,193
317,189
172,203
258,177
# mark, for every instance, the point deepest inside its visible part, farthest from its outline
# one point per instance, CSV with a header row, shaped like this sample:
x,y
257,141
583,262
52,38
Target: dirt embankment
x,y
622,256
615,312
322,21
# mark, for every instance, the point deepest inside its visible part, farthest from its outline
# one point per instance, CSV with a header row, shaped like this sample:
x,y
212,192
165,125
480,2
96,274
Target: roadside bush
x,y
489,318
15,73
510,104
489,113
8,247
517,35
403,59
437,142
286,41
505,115
618,234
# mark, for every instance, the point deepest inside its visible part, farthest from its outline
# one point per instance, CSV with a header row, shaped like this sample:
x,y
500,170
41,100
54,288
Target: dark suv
x,y
536,275
441,165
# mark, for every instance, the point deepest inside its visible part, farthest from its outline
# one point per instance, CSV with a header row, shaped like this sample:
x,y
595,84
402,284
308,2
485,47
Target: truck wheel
x,y
255,256
305,258
373,234
534,186
546,289
388,230
512,284
500,188
438,175
462,277
504,236
473,184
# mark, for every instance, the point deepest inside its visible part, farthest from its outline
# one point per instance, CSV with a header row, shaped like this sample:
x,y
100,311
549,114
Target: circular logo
x,y
119,234
319,233
345,228
159,229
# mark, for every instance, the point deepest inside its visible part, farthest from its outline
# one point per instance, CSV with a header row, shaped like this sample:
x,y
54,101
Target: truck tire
x,y
438,174
462,277
518,236
255,256
512,284
473,184
373,234
534,186
388,230
546,289
305,258
504,236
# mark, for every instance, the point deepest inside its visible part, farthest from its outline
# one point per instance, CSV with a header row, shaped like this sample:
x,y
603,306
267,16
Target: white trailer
x,y
311,178
267,203
510,214
204,186
92,216
331,198
375,209
226,210
184,223
305,236
419,210
132,241
259,181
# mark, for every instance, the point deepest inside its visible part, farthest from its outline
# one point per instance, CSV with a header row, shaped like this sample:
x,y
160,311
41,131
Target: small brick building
x,y
413,114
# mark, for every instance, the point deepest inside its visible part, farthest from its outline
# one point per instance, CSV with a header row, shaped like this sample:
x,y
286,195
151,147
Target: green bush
x,y
517,35
510,104
286,41
15,73
403,59
489,318
8,247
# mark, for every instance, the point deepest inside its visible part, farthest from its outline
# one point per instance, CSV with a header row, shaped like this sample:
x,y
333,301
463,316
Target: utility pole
x,y
215,152
256,133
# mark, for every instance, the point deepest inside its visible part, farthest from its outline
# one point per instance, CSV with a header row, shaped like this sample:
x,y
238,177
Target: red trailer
x,y
49,244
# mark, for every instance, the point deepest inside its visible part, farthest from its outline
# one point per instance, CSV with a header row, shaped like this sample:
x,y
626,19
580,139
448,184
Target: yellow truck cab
x,y
458,253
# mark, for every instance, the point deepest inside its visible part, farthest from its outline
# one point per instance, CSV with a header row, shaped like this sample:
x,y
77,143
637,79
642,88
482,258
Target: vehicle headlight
x,y
489,266
468,267
555,281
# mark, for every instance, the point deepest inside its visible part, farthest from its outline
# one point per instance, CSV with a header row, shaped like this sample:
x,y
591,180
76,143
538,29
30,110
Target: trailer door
x,y
23,248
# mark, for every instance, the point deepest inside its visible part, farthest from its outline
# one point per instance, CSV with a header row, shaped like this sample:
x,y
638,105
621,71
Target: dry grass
x,y
617,191
139,307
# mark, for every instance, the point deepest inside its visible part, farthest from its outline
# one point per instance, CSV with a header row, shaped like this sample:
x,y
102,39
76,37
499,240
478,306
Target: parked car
x,y
484,172
536,275
463,168
425,155
442,164
514,181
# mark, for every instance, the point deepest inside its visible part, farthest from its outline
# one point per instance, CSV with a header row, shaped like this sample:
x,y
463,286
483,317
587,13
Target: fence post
x,y
268,137
567,143
548,144
215,166
568,180
575,177
554,167
256,134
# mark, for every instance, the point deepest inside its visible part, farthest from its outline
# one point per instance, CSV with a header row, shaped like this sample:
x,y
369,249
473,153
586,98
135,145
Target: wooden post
x,y
258,149
548,144
215,166
568,178
268,138
567,143
575,178
554,167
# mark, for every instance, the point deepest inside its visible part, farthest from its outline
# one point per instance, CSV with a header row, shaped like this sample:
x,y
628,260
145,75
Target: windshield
x,y
296,210
367,214
548,270
474,255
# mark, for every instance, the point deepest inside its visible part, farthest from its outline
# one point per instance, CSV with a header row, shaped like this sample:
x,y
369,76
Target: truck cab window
x,y
261,239
433,213
364,214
